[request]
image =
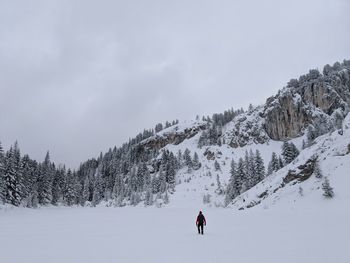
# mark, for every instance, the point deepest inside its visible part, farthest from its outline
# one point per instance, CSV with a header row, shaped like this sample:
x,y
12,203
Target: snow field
x,y
298,234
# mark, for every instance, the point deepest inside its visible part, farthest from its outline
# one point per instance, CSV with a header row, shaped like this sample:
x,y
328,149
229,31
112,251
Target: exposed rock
x,y
247,129
311,99
253,203
286,116
263,194
211,155
304,172
157,142
279,187
293,108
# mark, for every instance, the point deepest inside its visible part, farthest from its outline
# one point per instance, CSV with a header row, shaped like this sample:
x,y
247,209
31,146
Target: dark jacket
x,y
201,219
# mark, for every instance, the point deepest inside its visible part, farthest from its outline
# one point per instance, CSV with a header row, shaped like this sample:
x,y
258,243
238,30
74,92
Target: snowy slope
x,y
332,151
305,235
284,218
201,182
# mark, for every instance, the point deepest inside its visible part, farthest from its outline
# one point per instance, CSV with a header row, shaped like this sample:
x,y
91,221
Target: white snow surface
x,y
284,226
303,234
333,154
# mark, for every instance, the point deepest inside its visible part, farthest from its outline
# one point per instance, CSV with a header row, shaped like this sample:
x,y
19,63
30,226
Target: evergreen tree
x,y
301,191
250,108
86,191
26,173
98,189
180,160
317,170
45,181
259,167
148,197
269,169
140,176
2,176
30,172
158,127
250,169
203,139
170,173
294,151
274,164
247,178
147,178
19,173
187,159
285,152
239,177
311,135
303,145
166,198
239,180
231,191
70,193
327,189
280,162
133,184
338,120
219,190
58,186
289,152
167,124
155,185
217,166
196,163
34,197
162,179
12,194
119,188
78,186
206,199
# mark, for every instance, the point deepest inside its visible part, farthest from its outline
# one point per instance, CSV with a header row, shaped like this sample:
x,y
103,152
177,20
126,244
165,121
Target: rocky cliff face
x,y
295,107
286,116
246,129
311,99
175,136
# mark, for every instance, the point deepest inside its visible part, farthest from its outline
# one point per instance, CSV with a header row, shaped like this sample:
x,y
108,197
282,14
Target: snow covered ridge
x,y
212,161
302,180
246,129
313,99
174,134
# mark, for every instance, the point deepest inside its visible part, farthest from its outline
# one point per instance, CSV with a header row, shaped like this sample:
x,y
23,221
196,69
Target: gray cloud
x,y
77,77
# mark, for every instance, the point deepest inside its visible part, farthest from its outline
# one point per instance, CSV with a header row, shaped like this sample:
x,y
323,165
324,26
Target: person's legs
x,y
198,225
202,228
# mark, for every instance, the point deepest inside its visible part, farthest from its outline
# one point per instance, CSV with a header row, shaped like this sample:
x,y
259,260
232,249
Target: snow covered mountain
x,y
266,155
308,113
300,182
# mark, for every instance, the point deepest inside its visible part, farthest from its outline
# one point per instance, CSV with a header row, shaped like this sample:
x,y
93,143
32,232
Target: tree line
x,y
250,170
122,176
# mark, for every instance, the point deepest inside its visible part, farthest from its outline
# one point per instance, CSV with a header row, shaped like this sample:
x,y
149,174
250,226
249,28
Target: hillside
x,y
239,159
308,112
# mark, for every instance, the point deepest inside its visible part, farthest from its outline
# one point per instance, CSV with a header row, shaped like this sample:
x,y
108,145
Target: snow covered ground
x,y
288,222
284,234
285,226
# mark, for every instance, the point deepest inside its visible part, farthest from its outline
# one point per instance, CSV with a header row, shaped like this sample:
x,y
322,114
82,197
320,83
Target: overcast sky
x,y
78,77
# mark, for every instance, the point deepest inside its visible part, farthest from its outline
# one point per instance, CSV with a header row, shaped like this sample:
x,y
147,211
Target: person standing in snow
x,y
200,222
